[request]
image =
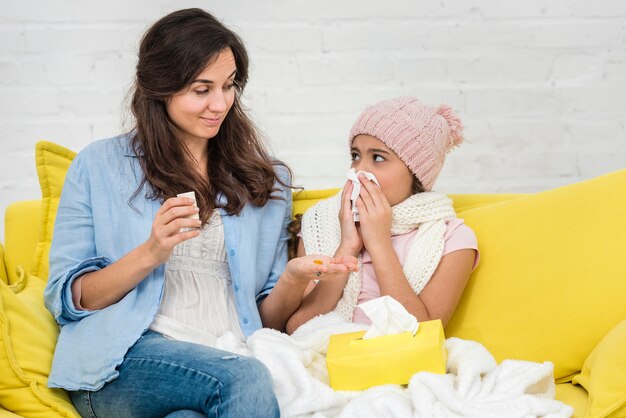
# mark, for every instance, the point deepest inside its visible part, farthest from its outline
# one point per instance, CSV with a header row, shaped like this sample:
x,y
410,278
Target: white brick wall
x,y
540,84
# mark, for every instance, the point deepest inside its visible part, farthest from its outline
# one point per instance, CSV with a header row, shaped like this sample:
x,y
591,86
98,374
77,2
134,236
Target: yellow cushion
x,y
7,414
52,163
550,283
304,199
574,396
21,231
3,271
604,376
28,335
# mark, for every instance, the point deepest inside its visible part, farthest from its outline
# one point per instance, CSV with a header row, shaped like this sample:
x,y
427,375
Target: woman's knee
x,y
253,383
250,372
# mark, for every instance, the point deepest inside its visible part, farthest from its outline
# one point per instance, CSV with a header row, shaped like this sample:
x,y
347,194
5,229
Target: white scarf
x,y
427,212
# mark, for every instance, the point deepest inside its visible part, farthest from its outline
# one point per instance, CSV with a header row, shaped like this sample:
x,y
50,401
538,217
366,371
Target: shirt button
x,y
236,288
245,320
231,252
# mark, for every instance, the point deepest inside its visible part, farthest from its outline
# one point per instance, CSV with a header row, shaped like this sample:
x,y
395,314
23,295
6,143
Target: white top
x,y
198,304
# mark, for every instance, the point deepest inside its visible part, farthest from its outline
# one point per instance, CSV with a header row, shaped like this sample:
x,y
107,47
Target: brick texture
x,y
540,85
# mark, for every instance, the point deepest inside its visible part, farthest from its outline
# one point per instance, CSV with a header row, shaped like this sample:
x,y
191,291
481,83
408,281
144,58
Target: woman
x,y
142,287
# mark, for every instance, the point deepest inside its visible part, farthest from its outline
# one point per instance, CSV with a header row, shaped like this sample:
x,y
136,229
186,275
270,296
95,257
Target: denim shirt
x,y
96,224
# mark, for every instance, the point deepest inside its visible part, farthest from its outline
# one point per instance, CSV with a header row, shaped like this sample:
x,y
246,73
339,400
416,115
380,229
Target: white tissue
x,y
388,317
191,195
356,189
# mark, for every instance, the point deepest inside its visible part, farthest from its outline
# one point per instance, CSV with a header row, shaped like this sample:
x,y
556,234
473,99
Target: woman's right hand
x,y
167,226
351,241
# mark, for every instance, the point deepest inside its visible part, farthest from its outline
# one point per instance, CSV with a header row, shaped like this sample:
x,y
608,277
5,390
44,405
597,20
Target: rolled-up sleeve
x,y
73,250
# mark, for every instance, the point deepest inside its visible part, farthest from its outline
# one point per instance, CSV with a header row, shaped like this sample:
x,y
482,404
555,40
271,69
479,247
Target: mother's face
x,y
199,110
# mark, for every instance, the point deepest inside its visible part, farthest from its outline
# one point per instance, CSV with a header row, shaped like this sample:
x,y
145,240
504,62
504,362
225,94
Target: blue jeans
x,y
161,377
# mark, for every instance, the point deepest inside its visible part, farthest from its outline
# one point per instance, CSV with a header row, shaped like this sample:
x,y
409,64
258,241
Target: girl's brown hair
x,y
172,53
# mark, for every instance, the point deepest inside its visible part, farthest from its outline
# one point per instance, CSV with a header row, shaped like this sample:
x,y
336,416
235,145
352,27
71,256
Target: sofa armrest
x,y
3,269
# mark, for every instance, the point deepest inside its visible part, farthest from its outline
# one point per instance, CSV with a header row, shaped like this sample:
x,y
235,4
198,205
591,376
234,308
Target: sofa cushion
x,y
550,283
604,375
7,414
21,233
28,335
3,271
52,163
574,396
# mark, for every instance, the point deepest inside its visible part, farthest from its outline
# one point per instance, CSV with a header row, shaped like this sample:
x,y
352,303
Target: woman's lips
x,y
212,121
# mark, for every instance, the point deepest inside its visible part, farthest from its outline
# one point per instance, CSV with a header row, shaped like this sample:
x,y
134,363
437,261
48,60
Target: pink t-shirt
x,y
458,236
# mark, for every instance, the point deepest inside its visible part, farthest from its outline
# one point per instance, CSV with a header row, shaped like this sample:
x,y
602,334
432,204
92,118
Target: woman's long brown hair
x,y
173,52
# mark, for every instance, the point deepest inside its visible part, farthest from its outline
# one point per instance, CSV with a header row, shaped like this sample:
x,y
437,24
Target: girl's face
x,y
395,178
199,110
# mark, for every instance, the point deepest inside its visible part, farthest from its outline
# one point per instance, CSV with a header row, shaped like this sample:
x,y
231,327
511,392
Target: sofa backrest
x,y
22,222
304,199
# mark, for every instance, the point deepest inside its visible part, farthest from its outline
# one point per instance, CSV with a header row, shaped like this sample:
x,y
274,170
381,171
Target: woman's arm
x,y
105,287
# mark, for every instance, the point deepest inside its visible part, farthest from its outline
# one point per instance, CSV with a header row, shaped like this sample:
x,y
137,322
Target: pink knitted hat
x,y
419,134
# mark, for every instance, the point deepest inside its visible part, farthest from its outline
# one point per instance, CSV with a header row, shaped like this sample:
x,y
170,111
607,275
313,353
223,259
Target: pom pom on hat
x,y
420,135
454,123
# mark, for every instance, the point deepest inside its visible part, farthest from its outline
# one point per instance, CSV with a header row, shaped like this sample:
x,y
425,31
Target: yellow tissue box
x,y
357,364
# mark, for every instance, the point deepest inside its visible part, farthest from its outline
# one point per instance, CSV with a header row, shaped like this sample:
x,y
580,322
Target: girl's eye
x,y
354,156
229,87
202,92
378,158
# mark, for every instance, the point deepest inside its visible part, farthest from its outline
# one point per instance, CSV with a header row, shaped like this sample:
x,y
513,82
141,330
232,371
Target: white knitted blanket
x,y
428,212
474,387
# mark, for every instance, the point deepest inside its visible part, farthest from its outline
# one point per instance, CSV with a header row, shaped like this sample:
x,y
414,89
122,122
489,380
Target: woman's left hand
x,y
374,215
320,267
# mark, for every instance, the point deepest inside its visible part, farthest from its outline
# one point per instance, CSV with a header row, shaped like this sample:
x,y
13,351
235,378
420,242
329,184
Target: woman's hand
x,y
351,241
166,230
319,267
374,215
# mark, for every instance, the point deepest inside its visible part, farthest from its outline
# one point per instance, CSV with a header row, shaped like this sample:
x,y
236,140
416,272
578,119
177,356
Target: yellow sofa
x,y
550,286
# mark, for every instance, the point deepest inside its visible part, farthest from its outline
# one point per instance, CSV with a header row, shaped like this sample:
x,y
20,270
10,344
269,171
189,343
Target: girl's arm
x,y
323,297
439,297
318,298
286,299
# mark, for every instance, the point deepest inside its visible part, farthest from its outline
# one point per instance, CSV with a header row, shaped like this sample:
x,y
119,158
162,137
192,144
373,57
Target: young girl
x,y
145,282
408,241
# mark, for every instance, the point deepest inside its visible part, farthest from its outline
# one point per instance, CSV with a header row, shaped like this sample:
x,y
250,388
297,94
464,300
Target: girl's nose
x,y
360,165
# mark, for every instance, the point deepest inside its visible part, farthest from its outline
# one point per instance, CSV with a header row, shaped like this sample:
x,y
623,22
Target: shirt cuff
x,y
72,312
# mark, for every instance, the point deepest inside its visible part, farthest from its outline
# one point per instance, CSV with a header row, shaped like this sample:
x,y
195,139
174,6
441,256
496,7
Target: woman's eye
x,y
202,92
378,158
354,156
229,87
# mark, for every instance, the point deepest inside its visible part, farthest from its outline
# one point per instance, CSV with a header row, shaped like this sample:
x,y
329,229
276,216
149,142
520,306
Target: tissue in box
x,y
357,364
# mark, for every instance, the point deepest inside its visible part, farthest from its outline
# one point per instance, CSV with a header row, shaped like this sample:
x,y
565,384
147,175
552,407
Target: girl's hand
x,y
319,267
351,241
166,230
374,215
